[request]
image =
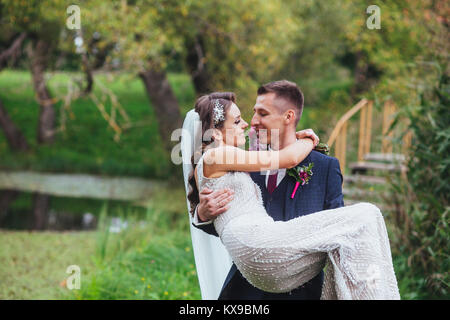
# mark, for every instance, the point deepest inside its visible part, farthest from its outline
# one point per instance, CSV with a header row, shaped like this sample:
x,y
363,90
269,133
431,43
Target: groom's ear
x,y
289,116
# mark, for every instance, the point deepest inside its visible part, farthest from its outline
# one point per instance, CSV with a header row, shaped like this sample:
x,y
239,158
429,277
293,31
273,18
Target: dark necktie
x,y
272,183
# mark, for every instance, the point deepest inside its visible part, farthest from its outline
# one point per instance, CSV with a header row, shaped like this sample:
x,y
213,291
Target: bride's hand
x,y
308,133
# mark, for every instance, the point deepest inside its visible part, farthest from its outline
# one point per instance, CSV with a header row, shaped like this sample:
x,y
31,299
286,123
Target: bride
x,y
278,256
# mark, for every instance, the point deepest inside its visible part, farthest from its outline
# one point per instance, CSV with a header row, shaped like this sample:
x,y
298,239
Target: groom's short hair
x,y
286,90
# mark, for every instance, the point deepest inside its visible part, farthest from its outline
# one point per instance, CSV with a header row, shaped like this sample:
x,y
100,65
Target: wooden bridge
x,y
368,171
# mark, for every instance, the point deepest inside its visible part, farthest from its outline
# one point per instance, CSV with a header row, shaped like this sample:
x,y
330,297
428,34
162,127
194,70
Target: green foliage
x,y
161,267
423,195
238,44
399,40
317,46
45,18
151,259
87,144
418,82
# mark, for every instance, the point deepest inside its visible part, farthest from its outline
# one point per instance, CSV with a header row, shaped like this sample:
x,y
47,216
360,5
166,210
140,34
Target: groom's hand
x,y
213,203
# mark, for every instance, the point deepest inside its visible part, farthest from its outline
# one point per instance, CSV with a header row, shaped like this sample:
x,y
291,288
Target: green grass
x,y
87,144
33,264
143,265
411,286
151,259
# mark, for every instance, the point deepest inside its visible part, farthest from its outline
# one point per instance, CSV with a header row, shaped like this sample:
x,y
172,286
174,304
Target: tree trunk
x,y
38,53
164,102
366,74
88,73
15,138
360,74
41,204
197,67
6,198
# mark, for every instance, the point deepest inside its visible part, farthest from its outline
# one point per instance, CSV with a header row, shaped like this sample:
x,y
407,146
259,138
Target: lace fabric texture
x,y
279,256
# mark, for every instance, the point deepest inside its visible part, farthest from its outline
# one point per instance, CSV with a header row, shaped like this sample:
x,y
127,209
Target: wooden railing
x,y
365,107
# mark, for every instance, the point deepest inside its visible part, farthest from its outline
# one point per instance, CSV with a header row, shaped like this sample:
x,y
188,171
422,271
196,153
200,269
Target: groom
x,y
278,107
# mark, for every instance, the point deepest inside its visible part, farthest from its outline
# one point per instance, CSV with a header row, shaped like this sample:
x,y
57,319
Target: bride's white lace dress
x,y
277,256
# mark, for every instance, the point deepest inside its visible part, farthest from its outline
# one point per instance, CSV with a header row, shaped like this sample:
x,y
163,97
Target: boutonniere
x,y
302,175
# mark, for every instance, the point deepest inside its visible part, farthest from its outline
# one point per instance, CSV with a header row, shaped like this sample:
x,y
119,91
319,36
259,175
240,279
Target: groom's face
x,y
268,118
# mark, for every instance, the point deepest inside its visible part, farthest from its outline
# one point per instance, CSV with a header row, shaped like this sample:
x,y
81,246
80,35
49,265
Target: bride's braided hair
x,y
204,107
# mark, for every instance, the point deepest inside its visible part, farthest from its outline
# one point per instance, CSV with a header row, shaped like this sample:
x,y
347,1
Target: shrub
x,y
421,196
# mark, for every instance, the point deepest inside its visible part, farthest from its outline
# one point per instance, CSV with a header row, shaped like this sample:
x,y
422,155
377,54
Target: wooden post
x,y
339,134
383,130
337,129
390,121
406,142
343,147
341,144
368,127
362,134
337,151
386,146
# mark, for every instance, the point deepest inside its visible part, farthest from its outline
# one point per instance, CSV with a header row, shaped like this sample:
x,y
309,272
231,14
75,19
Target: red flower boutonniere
x,y
302,175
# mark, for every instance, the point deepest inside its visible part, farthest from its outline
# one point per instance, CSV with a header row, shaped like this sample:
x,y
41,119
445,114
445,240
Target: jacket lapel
x,y
294,205
259,179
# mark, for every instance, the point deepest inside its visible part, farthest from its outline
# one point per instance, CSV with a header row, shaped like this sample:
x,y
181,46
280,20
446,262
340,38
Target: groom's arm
x,y
334,197
211,204
207,226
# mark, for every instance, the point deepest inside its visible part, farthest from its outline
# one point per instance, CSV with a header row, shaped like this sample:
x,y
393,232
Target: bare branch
x,y
13,51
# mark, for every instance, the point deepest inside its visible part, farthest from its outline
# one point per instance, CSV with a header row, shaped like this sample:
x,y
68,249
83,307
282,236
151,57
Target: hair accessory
x,y
218,114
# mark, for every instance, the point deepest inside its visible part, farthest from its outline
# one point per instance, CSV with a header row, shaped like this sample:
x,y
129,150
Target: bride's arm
x,y
234,159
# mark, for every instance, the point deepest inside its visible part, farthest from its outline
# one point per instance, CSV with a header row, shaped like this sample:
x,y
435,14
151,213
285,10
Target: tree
x,y
231,45
421,196
38,52
136,44
42,22
314,61
14,136
233,49
380,54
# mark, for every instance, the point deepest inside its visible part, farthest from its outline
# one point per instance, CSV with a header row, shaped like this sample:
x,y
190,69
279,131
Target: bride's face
x,y
234,127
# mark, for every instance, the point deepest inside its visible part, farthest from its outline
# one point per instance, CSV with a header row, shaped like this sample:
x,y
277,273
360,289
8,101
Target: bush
x,y
421,197
151,258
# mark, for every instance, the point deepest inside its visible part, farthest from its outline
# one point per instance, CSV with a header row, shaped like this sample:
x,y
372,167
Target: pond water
x,y
36,211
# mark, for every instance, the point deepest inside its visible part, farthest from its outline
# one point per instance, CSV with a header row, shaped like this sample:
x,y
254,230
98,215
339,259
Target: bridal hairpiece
x,y
218,114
